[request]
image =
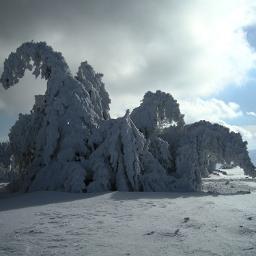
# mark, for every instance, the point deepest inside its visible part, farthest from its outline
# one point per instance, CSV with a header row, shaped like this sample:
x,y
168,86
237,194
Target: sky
x,y
203,52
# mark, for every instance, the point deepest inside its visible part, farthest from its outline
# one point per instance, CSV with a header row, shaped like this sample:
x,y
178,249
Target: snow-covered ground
x,y
229,181
55,223
232,173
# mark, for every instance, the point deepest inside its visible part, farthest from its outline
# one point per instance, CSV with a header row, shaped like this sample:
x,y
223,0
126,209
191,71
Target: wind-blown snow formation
x,y
69,143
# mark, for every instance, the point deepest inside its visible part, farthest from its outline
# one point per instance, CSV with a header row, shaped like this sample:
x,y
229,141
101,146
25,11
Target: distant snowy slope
x,y
252,154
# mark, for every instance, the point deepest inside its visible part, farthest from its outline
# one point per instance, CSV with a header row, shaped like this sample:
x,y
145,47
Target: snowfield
x,y
229,181
120,223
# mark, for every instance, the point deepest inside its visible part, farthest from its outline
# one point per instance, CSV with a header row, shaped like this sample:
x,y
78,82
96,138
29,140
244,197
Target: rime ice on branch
x,y
69,143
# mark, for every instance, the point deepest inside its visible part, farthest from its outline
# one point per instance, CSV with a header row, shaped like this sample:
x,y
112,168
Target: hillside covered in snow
x,y
70,143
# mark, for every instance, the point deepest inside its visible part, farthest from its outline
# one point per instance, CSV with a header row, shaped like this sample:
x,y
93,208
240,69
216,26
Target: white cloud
x,y
192,48
248,133
20,99
212,110
251,114
220,112
201,48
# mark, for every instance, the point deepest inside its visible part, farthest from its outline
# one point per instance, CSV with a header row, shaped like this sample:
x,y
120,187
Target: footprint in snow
x,y
149,233
168,234
186,219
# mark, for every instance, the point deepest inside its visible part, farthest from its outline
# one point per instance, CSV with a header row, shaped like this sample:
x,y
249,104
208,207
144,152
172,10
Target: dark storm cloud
x,y
21,19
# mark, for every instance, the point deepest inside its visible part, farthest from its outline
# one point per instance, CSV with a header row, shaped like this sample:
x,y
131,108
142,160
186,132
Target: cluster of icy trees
x,y
69,143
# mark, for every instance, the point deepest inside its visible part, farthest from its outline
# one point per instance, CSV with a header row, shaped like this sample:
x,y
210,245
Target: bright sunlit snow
x,y
119,223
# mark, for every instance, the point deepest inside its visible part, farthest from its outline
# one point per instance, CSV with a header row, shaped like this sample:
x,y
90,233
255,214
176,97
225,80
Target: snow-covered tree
x,y
69,143
203,145
157,111
218,144
190,152
54,136
96,89
121,160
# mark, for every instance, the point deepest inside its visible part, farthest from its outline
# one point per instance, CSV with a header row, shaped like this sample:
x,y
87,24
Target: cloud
x,y
212,110
248,133
20,99
194,48
251,114
220,112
